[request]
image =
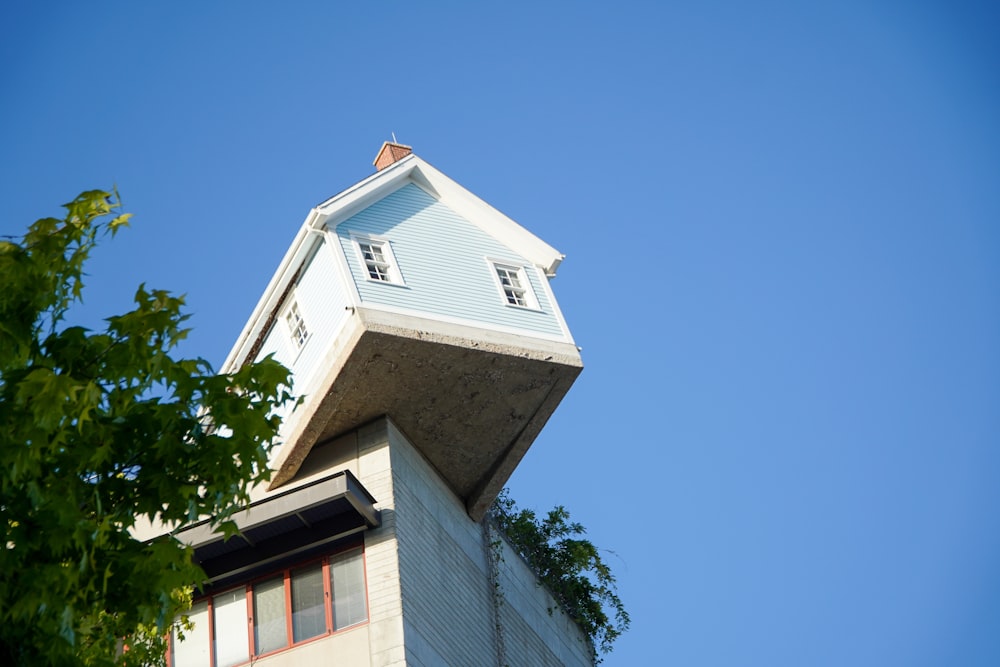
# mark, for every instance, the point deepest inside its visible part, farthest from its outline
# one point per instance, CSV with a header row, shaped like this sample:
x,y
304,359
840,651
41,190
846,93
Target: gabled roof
x,y
411,169
329,213
470,399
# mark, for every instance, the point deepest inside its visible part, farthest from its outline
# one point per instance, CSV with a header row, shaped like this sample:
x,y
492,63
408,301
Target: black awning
x,y
284,525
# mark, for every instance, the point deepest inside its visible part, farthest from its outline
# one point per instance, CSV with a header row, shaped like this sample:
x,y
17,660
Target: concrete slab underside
x,y
471,407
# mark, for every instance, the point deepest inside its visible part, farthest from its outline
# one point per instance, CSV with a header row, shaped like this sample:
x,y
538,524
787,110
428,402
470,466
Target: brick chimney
x,y
390,153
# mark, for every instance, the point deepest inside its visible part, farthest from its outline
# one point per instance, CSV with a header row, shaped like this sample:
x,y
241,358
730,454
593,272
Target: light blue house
x,y
406,295
424,336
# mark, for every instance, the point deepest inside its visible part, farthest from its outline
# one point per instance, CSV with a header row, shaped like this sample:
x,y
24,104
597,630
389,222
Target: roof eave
x,y
332,211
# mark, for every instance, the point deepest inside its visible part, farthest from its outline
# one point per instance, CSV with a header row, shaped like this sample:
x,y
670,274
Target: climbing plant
x,y
570,566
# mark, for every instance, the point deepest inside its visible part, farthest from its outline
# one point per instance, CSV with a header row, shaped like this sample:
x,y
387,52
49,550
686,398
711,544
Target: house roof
x,y
412,169
334,210
472,400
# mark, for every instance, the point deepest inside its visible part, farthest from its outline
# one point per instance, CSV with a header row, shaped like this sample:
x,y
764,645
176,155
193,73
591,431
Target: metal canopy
x,y
284,525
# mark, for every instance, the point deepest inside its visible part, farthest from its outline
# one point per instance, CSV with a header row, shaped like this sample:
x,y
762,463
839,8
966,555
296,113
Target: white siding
x,y
278,343
442,259
322,300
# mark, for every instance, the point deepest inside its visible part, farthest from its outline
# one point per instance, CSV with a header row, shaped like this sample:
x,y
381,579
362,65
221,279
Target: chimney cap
x,y
390,153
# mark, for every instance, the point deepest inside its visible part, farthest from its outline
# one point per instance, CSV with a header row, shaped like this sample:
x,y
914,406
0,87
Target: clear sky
x,y
782,230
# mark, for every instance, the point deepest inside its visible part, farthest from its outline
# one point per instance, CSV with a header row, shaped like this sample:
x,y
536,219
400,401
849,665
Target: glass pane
x,y
347,581
193,651
308,611
269,629
230,645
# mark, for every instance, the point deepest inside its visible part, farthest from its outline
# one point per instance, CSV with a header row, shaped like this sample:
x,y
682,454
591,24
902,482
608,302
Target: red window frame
x,y
286,574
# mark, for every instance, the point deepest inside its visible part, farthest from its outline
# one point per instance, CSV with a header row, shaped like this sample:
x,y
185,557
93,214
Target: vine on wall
x,y
570,567
493,543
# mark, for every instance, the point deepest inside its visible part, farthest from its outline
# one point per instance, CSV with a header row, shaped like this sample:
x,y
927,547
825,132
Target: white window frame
x,y
295,324
391,268
509,294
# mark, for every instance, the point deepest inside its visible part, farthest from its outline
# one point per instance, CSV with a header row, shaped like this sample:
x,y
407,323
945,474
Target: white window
x,y
296,325
230,645
308,610
194,649
514,286
270,631
347,584
377,261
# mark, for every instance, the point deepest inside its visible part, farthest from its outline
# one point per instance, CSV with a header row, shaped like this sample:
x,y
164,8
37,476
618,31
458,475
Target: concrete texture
x,y
471,401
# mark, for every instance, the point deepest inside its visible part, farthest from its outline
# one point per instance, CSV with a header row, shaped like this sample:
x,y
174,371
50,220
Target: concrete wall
x,y
350,647
536,631
366,454
448,600
447,604
431,599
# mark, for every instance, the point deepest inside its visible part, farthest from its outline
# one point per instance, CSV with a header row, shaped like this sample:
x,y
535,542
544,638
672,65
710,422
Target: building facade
x,y
429,348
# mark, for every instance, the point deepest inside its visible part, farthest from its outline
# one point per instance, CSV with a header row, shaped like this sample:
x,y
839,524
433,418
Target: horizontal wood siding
x,y
323,303
322,300
278,343
442,258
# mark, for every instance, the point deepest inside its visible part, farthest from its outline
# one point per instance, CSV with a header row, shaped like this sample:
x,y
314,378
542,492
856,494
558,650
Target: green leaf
x,y
99,430
571,569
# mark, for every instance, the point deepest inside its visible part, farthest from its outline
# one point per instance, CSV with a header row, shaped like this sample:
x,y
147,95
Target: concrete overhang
x,y
471,400
283,525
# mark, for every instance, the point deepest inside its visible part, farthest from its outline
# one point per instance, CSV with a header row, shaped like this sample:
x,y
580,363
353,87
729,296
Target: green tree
x,y
570,566
99,432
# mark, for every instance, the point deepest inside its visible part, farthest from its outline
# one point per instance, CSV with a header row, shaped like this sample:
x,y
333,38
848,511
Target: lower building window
x,y
269,627
270,614
229,620
347,583
308,610
196,647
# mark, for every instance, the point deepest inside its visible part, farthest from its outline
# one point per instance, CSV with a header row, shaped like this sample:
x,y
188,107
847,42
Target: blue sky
x,y
783,261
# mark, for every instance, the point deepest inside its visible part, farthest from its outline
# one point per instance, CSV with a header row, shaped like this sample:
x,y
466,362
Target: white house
x,y
421,328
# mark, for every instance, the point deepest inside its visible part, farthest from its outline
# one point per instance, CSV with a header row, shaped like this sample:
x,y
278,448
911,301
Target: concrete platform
x,y
471,400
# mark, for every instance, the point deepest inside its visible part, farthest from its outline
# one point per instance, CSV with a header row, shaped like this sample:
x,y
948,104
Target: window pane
x,y
514,285
296,325
308,611
193,651
270,631
378,261
347,581
230,645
